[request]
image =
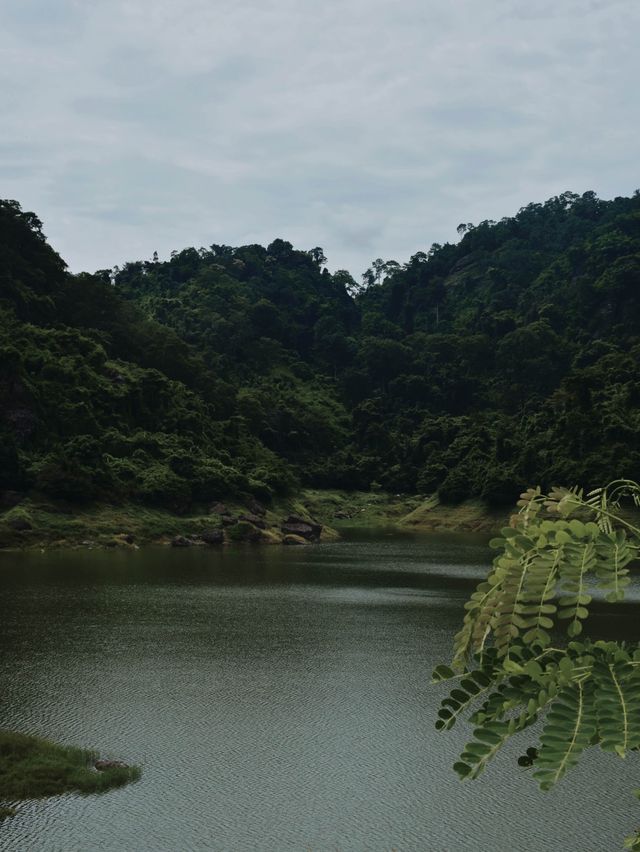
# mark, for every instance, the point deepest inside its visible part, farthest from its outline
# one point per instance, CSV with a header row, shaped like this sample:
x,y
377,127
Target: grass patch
x,y
99,525
33,768
368,510
358,509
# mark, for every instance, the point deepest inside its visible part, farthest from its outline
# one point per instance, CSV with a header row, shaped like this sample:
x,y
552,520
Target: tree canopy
x,y
507,357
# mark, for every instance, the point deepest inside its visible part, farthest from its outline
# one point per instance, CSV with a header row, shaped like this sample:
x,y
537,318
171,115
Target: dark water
x,y
278,699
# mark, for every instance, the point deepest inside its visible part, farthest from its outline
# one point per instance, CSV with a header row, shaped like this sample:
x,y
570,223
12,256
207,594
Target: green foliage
x,y
452,373
33,768
560,548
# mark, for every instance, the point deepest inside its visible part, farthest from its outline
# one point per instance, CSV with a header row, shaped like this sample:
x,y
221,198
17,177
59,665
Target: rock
x,y
228,520
295,519
253,519
127,537
101,765
19,524
111,543
244,531
298,526
294,540
300,530
218,509
181,541
298,521
212,537
342,515
257,508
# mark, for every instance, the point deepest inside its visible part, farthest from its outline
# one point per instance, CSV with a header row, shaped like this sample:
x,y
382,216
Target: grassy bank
x,y
34,768
355,510
34,524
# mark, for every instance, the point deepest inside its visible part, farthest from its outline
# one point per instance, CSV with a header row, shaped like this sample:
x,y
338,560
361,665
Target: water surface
x,y
278,699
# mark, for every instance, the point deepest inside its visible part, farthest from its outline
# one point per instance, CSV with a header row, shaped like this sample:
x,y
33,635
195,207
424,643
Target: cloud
x,y
367,127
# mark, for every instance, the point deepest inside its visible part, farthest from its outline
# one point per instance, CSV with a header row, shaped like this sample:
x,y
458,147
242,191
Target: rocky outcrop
x,y
218,509
245,531
255,520
212,537
181,541
295,525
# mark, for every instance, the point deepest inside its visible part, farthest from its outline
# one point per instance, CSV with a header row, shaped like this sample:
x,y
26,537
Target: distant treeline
x,y
507,359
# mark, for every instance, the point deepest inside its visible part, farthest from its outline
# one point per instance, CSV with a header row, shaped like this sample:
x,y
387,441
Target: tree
x,y
318,256
556,550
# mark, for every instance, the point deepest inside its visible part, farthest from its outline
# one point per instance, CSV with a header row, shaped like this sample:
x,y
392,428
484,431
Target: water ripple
x,y
276,701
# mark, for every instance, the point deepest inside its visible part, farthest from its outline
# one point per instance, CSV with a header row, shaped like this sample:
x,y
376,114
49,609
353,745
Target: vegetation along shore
x,y
314,516
133,399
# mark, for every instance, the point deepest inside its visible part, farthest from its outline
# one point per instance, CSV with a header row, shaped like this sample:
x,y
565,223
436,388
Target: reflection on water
x,y
278,699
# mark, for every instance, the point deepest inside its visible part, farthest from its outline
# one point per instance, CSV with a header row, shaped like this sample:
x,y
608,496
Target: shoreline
x,y
312,516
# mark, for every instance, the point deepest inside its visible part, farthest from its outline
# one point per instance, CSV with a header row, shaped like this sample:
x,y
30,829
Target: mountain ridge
x,y
475,369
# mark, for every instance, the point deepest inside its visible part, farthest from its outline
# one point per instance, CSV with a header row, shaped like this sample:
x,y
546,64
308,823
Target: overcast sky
x,y
369,127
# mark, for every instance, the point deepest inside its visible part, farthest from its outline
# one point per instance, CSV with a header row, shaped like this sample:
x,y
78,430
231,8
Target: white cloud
x,y
368,127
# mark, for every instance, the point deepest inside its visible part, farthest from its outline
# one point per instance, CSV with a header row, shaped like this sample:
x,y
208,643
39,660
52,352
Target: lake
x,y
277,699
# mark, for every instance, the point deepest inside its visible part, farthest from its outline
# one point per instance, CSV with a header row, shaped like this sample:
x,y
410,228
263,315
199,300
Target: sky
x,y
371,128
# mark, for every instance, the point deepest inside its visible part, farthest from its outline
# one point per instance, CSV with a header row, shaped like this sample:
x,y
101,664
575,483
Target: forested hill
x,y
506,359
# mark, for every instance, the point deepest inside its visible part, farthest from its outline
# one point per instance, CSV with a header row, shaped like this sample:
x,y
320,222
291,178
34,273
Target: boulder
x,y
298,526
300,530
244,531
294,540
253,519
297,520
228,520
19,524
127,537
218,509
181,541
212,537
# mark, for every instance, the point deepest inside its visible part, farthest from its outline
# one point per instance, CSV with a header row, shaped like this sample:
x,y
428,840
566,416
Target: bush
x,y
160,486
455,488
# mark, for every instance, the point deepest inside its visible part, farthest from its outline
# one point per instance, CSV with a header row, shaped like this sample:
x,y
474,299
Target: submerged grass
x,y
34,768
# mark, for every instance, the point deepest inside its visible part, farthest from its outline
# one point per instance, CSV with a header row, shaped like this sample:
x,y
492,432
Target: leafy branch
x,y
558,550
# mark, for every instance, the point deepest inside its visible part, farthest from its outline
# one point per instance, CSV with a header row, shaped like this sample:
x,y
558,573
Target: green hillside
x,y
506,359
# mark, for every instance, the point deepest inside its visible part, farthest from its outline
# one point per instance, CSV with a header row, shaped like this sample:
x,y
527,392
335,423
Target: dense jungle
x,y
505,358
